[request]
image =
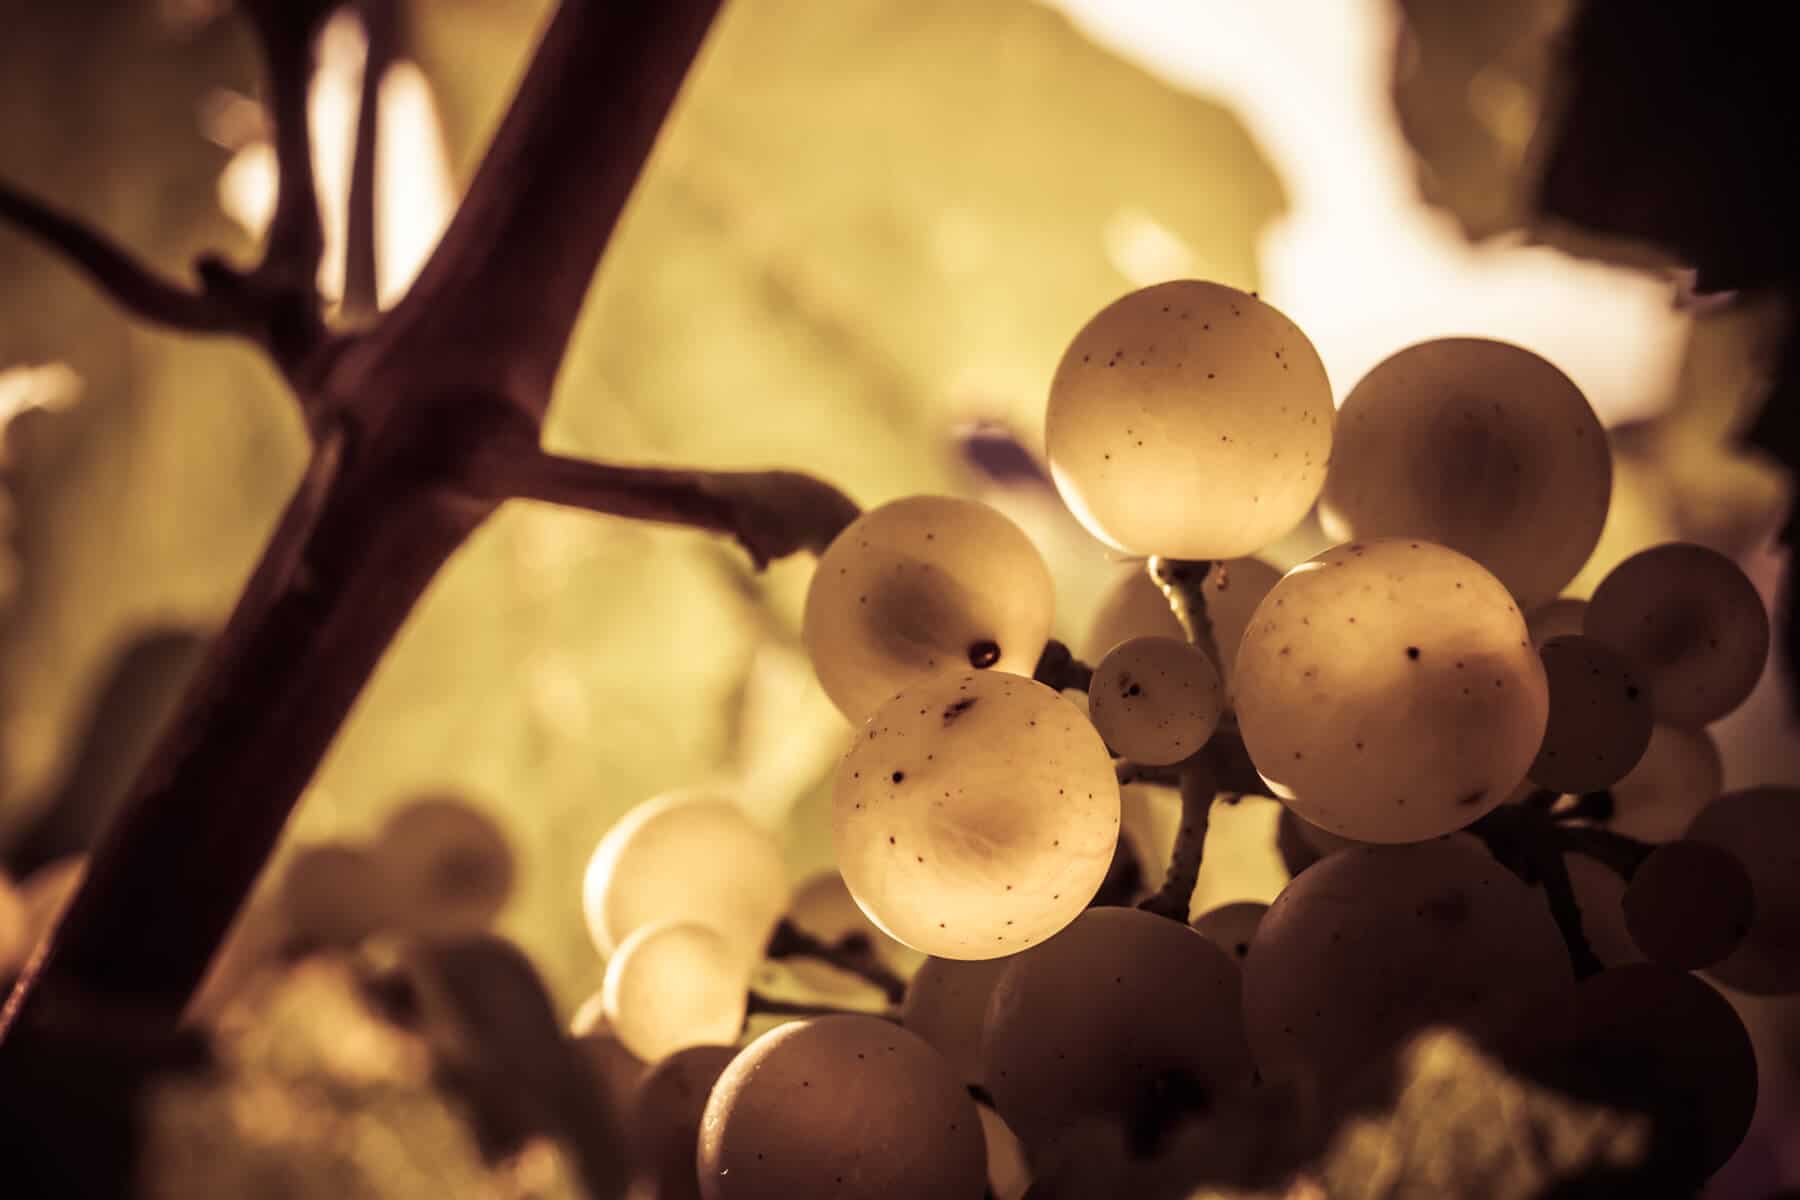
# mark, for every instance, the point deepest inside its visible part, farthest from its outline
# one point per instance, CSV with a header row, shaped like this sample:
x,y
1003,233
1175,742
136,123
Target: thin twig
x,y
1136,772
1181,581
1176,896
1057,667
286,30
1624,855
771,513
761,1005
852,954
130,284
362,295
1553,873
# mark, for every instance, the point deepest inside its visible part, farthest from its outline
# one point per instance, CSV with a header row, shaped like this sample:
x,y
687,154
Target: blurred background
x,y
867,234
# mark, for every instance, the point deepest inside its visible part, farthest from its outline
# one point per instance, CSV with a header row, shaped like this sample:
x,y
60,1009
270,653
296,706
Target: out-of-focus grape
x,y
975,815
849,1107
1374,943
1559,618
1480,446
674,984
1009,1175
1189,419
1231,590
946,1004
664,1120
335,894
15,928
1388,691
1136,607
448,865
1600,895
1120,1006
824,908
1133,607
1679,774
1648,1039
1600,721
1232,927
920,587
1156,700
614,1069
1689,905
1760,827
1692,624
685,857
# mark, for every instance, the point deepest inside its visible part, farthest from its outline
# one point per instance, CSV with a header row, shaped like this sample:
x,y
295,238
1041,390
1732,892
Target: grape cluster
x,y
1476,775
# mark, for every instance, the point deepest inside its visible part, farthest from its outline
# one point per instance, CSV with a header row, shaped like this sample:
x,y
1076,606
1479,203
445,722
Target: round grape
x,y
686,857
849,1107
1692,624
1120,1006
1189,419
1388,691
1134,606
674,984
1556,619
1372,944
1156,700
1232,927
946,1004
975,815
449,866
335,894
1680,774
1760,827
1232,589
1480,446
919,587
1689,905
1599,723
614,1070
664,1120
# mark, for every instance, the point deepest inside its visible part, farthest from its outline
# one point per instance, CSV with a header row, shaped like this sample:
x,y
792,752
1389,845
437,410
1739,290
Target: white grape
x,y
1480,446
1121,1004
1691,622
946,1004
1134,606
1232,927
1761,829
1690,904
1599,724
1189,419
975,814
1156,700
664,1116
1388,691
674,984
919,587
1680,774
686,857
850,1107
1373,943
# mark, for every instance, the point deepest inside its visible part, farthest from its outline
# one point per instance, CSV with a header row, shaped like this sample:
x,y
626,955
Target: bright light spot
x,y
1144,250
413,189
1359,261
49,386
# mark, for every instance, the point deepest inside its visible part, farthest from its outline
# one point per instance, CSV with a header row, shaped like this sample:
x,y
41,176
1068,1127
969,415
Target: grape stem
x,y
768,1006
1181,581
1589,806
851,953
1176,895
361,286
1057,667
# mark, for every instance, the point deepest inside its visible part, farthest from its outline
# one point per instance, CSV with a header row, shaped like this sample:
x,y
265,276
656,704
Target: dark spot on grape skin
x,y
899,777
984,654
1412,652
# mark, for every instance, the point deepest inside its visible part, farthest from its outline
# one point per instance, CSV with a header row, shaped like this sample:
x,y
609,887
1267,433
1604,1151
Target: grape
x,y
1480,446
1680,774
1648,1039
1189,419
975,814
1556,619
1388,691
449,866
1120,1006
923,586
614,1069
1599,722
1133,607
850,1107
691,858
1156,700
1374,943
1232,590
1232,927
1689,905
1008,1173
1691,623
674,984
1761,828
824,908
665,1114
946,1004
1600,895
335,894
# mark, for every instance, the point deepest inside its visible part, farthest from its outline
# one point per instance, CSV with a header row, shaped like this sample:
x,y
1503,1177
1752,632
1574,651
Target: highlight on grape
x,y
1502,810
